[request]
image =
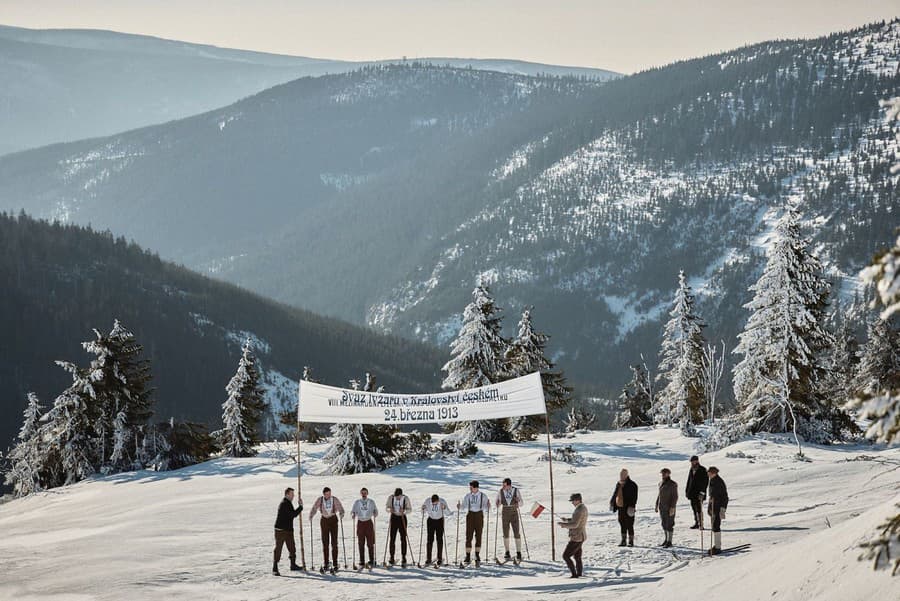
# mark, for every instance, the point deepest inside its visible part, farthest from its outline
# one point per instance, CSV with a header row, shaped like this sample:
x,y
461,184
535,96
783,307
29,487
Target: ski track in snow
x,y
205,532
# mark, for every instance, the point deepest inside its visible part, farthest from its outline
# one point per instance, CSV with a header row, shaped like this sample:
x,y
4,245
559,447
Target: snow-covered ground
x,y
205,532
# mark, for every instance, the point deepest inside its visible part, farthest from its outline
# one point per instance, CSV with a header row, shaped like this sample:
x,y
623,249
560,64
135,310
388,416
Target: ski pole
x,y
343,543
312,546
487,530
409,542
525,538
458,512
421,528
386,537
496,527
353,545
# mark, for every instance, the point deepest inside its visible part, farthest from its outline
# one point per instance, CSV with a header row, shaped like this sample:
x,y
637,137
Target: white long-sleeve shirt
x,y
327,507
435,510
364,510
477,501
398,505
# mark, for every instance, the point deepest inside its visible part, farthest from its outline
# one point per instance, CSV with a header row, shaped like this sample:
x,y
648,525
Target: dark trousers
x,y
329,528
573,551
474,527
626,522
668,521
435,531
716,521
285,537
398,524
697,508
365,537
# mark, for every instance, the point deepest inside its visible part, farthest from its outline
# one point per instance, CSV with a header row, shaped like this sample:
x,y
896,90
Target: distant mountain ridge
x,y
67,84
382,195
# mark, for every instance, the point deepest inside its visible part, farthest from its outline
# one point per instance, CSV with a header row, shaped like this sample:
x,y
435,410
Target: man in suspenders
x,y
475,504
510,500
435,508
398,505
330,507
365,512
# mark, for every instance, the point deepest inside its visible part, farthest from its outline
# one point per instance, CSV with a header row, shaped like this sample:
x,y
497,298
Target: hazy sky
x,y
623,35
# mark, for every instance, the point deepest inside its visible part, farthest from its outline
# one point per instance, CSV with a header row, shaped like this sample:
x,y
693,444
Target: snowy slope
x,y
204,532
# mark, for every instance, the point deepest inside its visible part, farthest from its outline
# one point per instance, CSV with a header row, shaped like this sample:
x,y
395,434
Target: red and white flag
x,y
536,509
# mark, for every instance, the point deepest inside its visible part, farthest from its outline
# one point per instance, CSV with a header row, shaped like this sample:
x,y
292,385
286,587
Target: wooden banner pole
x,y
300,487
552,500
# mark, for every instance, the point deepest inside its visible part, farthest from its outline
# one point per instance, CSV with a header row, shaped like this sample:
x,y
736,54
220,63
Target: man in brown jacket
x,y
577,527
666,501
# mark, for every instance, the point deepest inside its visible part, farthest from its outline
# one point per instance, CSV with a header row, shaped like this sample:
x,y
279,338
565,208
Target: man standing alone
x,y
695,490
365,512
624,502
577,527
665,504
284,530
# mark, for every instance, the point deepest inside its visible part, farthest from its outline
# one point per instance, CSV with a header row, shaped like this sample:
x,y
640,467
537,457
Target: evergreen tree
x,y
634,402
384,440
351,450
843,364
776,383
171,445
681,400
71,443
25,457
578,419
526,354
242,410
123,400
878,382
478,360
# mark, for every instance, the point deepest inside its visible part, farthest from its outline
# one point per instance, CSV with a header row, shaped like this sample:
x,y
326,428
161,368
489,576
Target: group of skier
x,y
477,506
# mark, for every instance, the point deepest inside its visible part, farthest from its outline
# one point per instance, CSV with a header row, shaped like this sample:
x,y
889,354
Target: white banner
x,y
327,404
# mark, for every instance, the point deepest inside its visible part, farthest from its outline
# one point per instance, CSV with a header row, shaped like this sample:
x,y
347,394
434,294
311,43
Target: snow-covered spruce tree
x,y
351,450
384,440
634,402
242,410
579,419
172,445
776,383
682,399
877,382
70,445
123,403
478,360
526,354
843,364
25,457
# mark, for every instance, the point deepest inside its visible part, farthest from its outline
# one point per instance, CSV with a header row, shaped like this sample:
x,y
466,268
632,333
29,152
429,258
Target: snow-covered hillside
x,y
205,532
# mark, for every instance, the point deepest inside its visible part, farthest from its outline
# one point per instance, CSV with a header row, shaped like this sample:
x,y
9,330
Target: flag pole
x,y
552,501
299,485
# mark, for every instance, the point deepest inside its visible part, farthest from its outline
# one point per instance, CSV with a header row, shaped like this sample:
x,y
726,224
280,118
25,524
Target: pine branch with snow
x,y
634,402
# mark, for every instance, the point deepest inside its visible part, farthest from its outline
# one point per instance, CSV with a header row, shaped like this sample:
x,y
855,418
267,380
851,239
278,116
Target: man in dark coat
x,y
695,489
665,504
624,502
718,502
284,530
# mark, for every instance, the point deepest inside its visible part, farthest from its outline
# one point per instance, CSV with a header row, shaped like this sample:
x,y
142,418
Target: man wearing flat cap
x,y
577,527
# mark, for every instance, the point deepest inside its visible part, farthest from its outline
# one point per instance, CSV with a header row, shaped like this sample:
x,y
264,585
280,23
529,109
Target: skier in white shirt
x,y
399,506
476,503
365,511
435,508
509,501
